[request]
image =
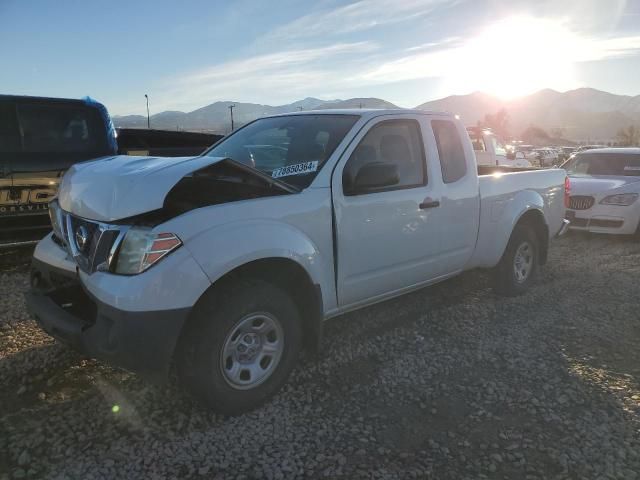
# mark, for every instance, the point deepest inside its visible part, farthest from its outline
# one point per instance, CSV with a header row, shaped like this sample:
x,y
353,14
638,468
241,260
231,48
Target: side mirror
x,y
520,156
374,175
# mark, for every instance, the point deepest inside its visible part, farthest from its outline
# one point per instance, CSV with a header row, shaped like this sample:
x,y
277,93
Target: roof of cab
x,y
620,150
32,99
365,112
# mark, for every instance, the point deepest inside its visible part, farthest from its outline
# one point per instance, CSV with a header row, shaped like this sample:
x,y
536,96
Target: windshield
x,y
290,148
617,164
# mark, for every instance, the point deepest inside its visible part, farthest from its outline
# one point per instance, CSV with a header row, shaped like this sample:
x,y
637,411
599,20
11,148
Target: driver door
x,y
387,236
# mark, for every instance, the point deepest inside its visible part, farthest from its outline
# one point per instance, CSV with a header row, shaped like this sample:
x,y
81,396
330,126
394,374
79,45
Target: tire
x,y
253,320
512,278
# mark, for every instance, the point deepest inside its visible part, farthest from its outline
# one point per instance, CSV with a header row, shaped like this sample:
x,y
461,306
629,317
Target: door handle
x,y
429,203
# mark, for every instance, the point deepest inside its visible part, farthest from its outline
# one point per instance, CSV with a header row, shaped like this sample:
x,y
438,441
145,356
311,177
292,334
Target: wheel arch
x,y
291,277
534,218
498,219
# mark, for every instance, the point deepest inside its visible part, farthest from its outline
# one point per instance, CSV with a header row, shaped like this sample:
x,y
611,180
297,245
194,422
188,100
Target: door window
x,y
453,161
396,143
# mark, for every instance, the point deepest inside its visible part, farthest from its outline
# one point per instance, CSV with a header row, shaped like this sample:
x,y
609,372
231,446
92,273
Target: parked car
x,y
489,150
39,139
229,262
565,153
547,157
528,152
582,148
605,185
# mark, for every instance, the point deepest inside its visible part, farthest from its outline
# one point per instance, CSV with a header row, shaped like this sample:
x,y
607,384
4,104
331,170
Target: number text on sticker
x,y
297,169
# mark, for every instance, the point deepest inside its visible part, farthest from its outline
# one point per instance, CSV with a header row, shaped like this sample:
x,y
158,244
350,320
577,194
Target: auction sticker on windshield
x,y
297,169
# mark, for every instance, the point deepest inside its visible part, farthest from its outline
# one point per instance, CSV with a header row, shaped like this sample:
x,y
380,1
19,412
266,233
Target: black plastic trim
x,y
141,342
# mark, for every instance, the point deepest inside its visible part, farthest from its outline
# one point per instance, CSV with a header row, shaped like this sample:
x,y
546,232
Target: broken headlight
x,y
141,248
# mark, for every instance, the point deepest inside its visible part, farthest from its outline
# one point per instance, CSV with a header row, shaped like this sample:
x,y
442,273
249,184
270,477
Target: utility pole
x,y
148,119
300,108
360,106
231,107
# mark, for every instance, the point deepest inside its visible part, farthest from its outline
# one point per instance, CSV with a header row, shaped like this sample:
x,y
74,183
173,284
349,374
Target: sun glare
x,y
520,55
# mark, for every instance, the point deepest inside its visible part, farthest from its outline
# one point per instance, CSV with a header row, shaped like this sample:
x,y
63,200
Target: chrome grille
x,y
92,232
91,244
581,202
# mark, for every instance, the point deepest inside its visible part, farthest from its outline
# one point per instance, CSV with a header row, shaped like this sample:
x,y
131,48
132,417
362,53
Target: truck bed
x,y
503,189
492,169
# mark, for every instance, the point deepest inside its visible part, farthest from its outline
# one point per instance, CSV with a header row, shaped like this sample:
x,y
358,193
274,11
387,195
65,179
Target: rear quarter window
x,y
453,162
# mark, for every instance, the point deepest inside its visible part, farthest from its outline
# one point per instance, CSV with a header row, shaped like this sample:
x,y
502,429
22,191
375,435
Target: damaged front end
x,y
130,245
130,320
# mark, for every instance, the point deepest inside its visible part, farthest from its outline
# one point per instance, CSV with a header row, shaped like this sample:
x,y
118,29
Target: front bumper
x,y
139,341
605,219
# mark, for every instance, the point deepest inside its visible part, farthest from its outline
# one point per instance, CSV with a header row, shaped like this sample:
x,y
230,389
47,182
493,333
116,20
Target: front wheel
x,y
240,346
519,264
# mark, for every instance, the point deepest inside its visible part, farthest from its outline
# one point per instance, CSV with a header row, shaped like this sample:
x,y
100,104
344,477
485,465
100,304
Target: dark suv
x,y
40,138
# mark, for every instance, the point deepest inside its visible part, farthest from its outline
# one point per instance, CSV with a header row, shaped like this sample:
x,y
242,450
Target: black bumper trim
x,y
141,342
54,319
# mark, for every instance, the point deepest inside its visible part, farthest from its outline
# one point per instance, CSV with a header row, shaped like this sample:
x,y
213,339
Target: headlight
x,y
141,249
622,199
54,216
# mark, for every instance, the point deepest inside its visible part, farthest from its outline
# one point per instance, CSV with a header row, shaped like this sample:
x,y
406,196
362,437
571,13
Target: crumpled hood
x,y
593,185
119,187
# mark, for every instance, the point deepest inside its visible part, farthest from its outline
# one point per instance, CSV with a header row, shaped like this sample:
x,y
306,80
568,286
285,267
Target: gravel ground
x,y
448,382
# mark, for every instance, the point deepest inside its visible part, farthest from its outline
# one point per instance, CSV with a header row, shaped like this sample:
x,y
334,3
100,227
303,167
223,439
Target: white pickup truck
x,y
489,150
225,264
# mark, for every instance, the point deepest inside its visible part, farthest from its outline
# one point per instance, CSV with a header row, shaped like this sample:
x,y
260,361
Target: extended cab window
x,y
57,128
389,157
290,148
453,162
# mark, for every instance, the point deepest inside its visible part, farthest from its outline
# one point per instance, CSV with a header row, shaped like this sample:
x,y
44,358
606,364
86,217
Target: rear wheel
x,y
519,264
240,346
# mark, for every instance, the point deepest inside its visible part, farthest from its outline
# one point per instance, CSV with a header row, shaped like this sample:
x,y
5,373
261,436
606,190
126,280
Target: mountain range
x,y
584,114
216,117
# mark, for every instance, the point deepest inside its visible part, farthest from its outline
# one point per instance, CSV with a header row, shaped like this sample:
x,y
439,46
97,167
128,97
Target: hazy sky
x,y
186,54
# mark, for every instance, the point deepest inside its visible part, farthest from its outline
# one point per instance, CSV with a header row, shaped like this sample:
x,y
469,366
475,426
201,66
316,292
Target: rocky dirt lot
x,y
448,382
